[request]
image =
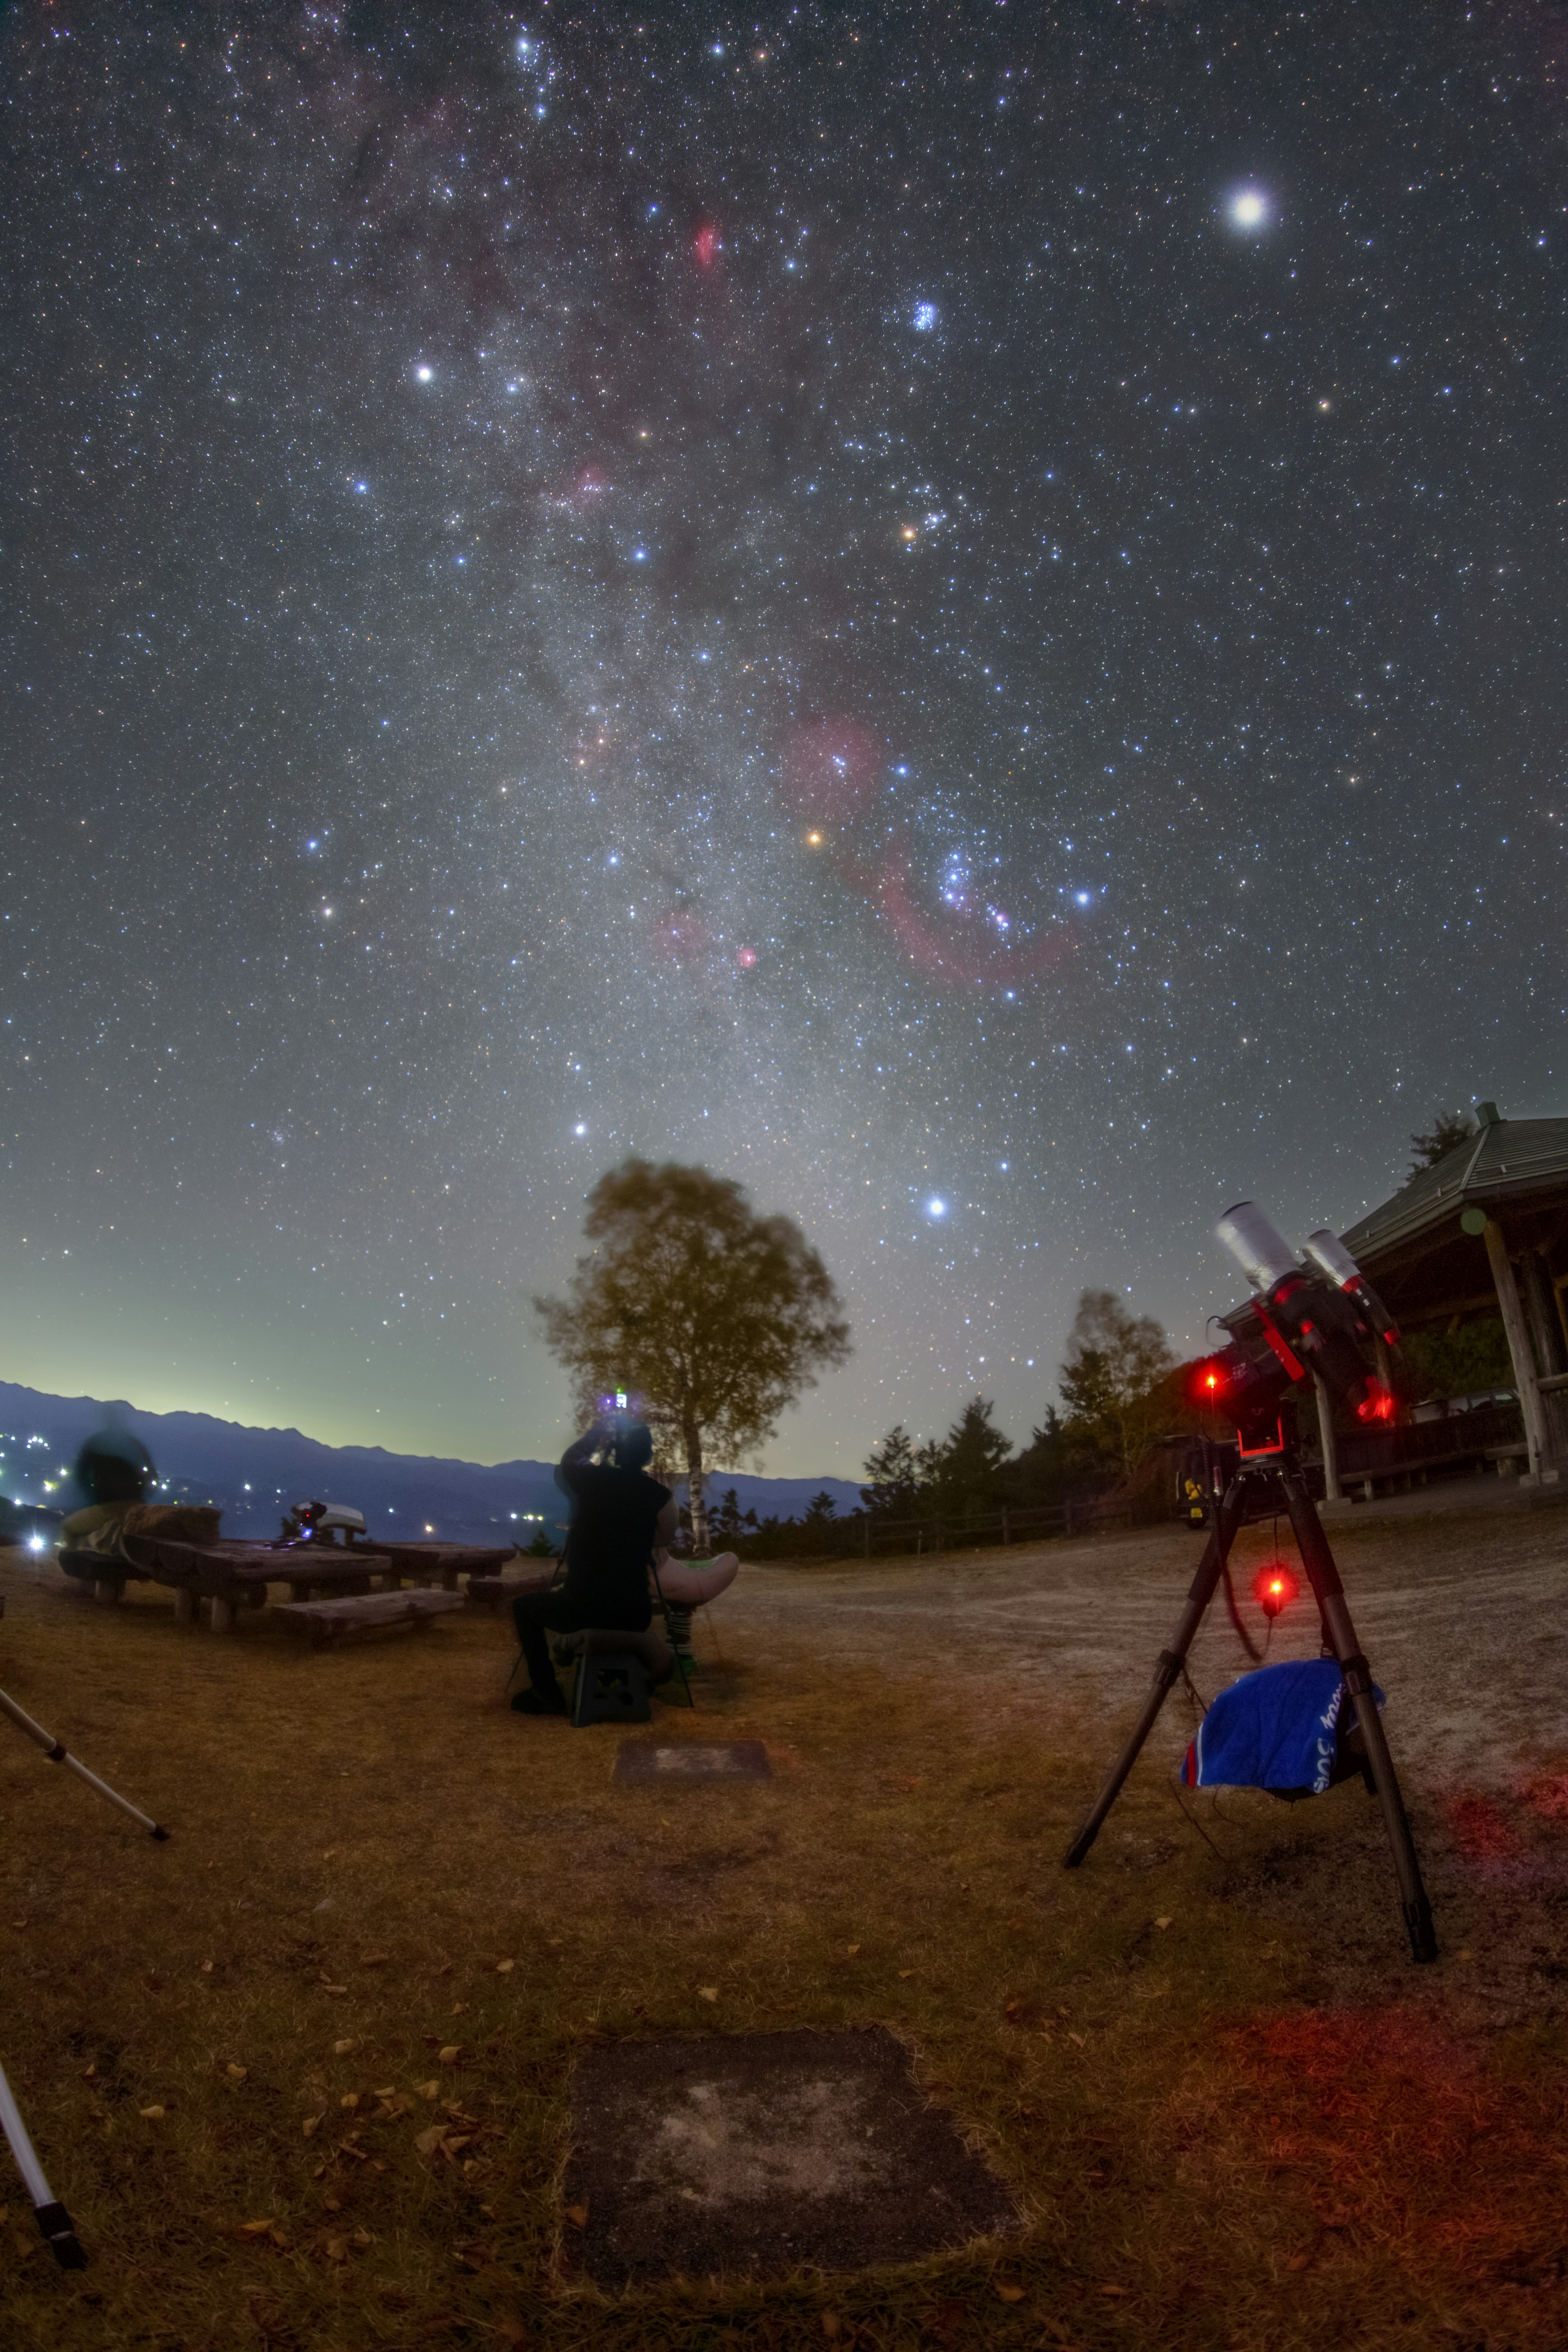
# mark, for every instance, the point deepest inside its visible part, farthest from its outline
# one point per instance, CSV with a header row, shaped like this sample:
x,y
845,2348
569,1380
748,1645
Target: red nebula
x,y
959,947
829,769
746,958
705,244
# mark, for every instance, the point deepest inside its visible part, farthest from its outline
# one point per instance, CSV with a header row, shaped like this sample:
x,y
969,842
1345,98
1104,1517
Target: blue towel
x,y
1272,1729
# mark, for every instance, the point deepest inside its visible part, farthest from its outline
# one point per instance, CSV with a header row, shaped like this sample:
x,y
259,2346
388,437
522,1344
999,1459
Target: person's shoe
x,y
532,1702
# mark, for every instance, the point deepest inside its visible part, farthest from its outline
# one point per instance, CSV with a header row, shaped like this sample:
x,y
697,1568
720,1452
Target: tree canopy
x,y
1448,1129
716,1317
1112,1380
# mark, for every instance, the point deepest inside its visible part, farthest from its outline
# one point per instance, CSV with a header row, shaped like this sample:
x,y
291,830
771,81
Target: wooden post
x,y
1518,1344
106,1590
184,1605
1333,1492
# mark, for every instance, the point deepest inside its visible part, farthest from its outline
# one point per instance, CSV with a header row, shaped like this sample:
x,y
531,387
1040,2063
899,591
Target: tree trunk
x,y
695,1476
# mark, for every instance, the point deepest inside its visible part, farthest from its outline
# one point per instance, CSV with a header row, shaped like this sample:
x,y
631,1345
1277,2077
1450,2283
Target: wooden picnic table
x,y
443,1563
231,1574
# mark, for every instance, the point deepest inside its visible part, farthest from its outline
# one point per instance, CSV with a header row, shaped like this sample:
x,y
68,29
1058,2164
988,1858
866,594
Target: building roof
x,y
1507,1159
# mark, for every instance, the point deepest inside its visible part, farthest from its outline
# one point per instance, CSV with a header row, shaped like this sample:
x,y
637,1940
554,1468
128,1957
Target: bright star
x,y
424,374
1249,209
936,1208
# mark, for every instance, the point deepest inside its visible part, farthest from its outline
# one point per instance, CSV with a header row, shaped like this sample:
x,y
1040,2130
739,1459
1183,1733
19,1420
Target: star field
x,y
958,615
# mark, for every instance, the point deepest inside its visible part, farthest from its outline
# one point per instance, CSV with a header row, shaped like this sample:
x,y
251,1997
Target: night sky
x,y
955,613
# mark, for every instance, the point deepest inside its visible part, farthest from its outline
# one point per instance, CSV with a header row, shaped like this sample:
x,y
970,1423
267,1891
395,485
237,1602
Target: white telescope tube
x,y
1264,1255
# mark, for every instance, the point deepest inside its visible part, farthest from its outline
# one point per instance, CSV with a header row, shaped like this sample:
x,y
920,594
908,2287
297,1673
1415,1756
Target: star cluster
x,y
958,618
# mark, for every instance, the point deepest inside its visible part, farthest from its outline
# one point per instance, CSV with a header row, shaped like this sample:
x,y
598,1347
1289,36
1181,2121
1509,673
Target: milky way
x,y
957,616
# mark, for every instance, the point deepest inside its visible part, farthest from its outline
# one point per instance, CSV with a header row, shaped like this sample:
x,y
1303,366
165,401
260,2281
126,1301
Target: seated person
x,y
619,1514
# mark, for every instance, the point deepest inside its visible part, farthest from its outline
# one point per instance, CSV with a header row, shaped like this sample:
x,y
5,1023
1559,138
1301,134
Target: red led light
x,y
1274,1587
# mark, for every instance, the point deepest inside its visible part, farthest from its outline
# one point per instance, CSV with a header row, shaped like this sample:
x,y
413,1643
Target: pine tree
x,y
893,1491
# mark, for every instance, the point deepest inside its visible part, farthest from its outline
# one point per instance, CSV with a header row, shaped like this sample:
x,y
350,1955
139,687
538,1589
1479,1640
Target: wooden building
x,y
1485,1232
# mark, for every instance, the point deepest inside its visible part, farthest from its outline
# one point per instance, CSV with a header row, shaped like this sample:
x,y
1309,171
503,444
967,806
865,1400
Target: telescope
x,y
1314,1315
1316,1322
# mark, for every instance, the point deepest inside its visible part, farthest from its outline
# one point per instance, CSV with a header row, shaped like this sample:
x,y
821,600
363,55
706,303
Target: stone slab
x,y
693,1759
756,2155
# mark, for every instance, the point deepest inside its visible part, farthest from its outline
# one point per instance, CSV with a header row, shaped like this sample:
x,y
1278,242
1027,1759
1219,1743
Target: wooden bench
x,y
328,1621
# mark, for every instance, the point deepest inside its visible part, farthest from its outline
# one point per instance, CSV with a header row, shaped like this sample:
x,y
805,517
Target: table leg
x,y
184,1605
221,1614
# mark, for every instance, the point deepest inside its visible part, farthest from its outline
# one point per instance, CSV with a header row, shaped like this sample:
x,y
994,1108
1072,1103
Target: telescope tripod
x,y
1280,1482
58,2231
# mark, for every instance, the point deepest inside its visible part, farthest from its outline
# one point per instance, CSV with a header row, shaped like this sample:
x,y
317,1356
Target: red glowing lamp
x,y
1274,1588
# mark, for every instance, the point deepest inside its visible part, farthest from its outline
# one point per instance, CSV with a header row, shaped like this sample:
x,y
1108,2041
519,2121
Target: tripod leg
x,y
59,2233
1211,1568
1318,1562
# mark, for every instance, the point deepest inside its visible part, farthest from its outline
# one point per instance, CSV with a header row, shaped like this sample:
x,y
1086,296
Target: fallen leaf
x,y
349,2100
333,1987
429,2090
1113,2290
236,2073
851,1950
1298,2261
904,1975
460,2007
88,2072
373,1959
390,2094
278,2240
312,2124
362,2237
342,2049
256,2229
336,2250
450,2053
510,2332
578,2216
1078,2039
831,2325
154,2114
1162,1923
206,1967
328,1853
1007,2291
505,1968
707,1993
19,1923
430,2141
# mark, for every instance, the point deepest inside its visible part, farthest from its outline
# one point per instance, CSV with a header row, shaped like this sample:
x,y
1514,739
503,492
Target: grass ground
x,y
301,2074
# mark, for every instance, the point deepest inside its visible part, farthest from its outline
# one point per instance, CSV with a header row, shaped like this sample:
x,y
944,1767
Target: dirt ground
x,y
303,2074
